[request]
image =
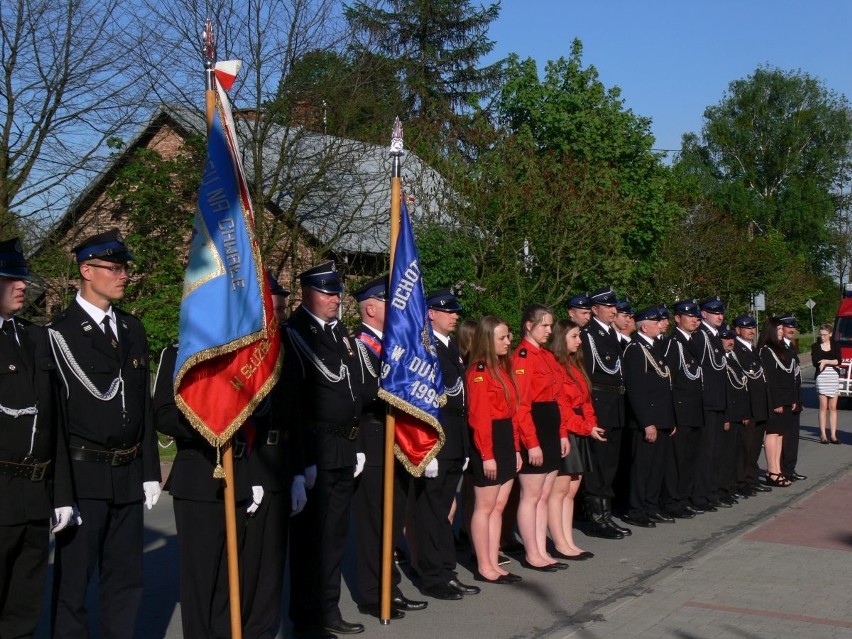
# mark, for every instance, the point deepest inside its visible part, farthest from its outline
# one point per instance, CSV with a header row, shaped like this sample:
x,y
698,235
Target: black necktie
x,y
329,330
113,341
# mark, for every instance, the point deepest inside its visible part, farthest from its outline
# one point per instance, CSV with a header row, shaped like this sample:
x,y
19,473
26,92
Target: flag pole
x,y
390,422
227,449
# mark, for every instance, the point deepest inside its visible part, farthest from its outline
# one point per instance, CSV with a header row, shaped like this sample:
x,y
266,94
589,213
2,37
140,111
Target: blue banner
x,y
411,374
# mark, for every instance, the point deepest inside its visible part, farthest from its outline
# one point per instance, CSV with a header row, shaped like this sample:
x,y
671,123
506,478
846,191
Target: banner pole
x,y
227,449
390,422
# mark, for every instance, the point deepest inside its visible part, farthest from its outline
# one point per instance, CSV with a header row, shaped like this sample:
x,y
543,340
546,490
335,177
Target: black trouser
x,y
706,486
609,408
749,453
110,539
263,560
647,472
23,566
202,551
317,544
728,445
368,506
679,482
433,532
790,446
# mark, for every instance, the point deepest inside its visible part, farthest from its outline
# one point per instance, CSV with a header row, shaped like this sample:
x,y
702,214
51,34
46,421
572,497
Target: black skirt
x,y
780,424
503,445
545,416
579,458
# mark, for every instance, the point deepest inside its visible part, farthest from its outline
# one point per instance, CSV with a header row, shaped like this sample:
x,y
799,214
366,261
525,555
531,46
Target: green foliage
x,y
771,152
155,195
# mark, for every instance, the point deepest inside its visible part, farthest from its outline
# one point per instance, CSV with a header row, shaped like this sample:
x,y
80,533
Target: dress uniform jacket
x,y
122,423
749,451
602,357
687,391
710,352
454,412
28,379
749,359
198,500
35,475
738,400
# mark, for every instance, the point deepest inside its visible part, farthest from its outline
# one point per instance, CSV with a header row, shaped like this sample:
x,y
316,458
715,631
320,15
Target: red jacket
x,y
578,396
539,379
487,402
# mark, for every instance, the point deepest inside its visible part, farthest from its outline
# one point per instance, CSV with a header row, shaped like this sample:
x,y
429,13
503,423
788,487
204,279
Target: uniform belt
x,y
617,389
33,471
349,431
114,457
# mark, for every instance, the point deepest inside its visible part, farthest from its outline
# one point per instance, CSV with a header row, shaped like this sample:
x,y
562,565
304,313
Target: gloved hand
x,y
152,493
360,460
256,498
466,462
431,469
61,518
310,476
298,496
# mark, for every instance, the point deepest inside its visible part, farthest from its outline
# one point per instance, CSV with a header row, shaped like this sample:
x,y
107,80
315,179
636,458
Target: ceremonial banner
x,y
411,375
229,348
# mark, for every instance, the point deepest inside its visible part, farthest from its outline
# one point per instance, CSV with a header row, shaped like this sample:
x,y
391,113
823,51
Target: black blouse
x,y
817,354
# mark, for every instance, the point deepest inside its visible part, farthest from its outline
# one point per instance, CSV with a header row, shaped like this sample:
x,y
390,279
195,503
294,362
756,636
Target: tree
x,y
434,47
571,115
69,83
771,153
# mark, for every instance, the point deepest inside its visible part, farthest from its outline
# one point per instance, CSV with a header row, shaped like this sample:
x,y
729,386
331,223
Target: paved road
x,y
777,565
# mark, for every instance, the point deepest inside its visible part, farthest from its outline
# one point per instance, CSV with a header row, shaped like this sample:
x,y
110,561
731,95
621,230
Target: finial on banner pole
x,y
396,147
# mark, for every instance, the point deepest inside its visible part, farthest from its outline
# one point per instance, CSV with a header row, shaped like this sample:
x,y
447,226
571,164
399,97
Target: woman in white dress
x,y
825,356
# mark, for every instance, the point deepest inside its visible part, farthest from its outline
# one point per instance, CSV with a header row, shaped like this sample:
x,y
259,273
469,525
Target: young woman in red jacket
x,y
538,377
579,425
493,404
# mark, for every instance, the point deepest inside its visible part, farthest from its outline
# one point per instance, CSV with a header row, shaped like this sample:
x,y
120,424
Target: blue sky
x,y
674,58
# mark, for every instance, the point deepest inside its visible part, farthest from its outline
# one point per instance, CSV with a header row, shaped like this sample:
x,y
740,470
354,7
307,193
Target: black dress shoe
x,y
681,513
762,488
661,518
580,556
796,477
547,568
464,589
502,579
624,531
407,605
728,500
640,520
695,510
718,503
375,610
604,531
442,591
341,627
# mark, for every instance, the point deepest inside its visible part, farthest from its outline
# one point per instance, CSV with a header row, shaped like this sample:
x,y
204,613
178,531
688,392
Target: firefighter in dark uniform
x,y
320,400
580,309
748,471
737,417
264,550
602,357
649,389
707,347
435,490
35,481
790,447
102,356
368,500
688,406
198,502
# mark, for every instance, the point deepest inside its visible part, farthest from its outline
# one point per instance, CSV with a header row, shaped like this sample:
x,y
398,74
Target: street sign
x,y
810,303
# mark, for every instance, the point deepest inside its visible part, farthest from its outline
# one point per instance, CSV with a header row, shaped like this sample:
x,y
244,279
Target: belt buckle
x,y
353,432
121,457
272,437
239,450
38,472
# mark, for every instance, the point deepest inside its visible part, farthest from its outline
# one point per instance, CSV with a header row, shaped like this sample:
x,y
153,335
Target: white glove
x,y
256,498
360,460
466,462
61,518
310,476
298,496
152,493
431,469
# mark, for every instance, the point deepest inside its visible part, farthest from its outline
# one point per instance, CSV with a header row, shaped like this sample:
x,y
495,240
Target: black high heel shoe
x,y
777,479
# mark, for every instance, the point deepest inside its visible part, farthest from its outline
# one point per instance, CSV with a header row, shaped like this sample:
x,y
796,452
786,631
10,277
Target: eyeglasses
x,y
115,269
